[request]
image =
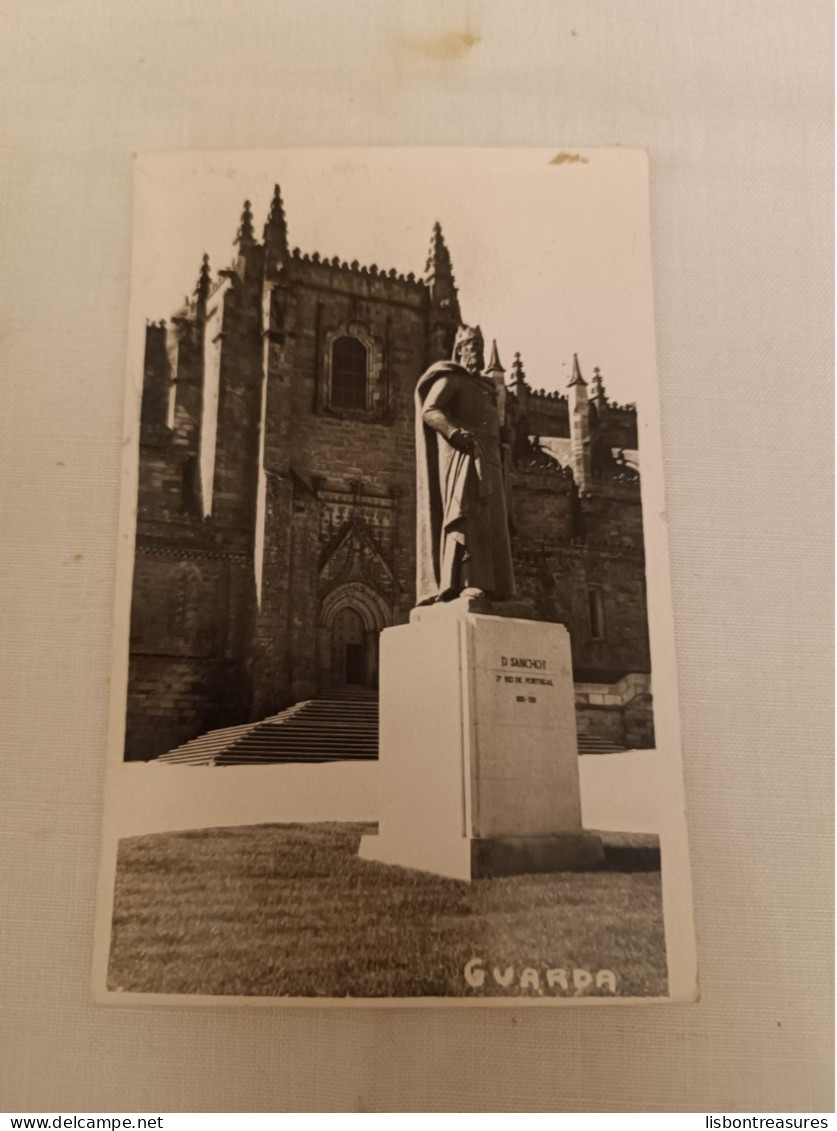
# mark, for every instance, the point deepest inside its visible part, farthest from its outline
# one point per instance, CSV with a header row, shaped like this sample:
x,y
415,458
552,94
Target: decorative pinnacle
x,y
204,283
577,378
245,234
438,258
275,229
494,365
518,374
598,384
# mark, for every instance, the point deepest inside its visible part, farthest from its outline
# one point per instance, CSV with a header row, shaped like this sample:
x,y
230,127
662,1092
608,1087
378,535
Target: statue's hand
x,y
463,441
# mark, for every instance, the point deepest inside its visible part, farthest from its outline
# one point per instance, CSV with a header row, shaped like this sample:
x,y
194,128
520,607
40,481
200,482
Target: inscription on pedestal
x,y
526,681
524,768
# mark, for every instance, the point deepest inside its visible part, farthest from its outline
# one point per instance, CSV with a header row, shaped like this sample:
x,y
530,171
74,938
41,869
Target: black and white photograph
x,y
394,703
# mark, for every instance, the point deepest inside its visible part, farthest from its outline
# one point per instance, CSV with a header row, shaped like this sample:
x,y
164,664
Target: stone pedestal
x,y
478,758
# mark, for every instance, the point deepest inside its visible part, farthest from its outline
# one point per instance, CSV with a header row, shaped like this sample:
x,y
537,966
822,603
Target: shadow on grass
x,y
290,911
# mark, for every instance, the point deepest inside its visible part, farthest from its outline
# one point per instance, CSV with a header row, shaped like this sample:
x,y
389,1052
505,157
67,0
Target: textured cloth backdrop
x,y
733,101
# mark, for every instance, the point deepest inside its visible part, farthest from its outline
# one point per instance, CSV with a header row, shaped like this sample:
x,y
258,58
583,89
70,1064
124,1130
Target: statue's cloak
x,y
445,484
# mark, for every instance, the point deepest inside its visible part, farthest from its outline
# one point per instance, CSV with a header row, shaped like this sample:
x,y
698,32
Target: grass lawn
x,y
290,910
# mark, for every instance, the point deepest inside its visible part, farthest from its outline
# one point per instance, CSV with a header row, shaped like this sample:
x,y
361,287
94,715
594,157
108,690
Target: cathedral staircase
x,y
589,744
340,725
337,726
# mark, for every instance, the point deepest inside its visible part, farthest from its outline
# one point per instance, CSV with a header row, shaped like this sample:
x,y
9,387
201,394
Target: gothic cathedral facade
x,y
275,532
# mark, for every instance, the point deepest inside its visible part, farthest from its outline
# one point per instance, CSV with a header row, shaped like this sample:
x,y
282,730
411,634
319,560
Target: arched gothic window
x,y
349,365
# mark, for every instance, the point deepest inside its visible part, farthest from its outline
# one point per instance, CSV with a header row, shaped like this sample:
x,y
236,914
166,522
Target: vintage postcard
x,y
394,705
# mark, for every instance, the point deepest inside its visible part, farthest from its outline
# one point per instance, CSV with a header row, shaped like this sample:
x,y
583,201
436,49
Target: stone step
x,y
591,745
275,757
342,693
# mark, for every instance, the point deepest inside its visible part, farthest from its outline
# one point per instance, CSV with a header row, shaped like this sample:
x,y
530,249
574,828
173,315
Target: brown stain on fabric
x,y
446,48
564,158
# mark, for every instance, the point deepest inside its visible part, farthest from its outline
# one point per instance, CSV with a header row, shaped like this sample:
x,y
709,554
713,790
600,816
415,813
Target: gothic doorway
x,y
351,619
348,648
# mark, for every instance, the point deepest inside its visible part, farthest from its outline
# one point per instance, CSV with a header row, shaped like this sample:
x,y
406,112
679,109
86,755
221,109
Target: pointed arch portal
x,y
352,616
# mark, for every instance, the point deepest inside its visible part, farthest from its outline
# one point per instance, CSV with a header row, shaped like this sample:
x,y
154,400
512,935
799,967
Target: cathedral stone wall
x,y
543,506
174,699
546,414
564,582
612,516
187,637
335,473
622,426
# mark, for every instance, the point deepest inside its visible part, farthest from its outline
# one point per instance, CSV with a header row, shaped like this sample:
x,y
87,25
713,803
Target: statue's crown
x,y
468,334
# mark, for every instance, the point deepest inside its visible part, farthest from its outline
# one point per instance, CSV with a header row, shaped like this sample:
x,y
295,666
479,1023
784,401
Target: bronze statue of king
x,y
463,543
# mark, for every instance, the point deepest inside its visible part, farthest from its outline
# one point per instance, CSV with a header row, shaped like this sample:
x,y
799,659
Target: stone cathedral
x,y
275,530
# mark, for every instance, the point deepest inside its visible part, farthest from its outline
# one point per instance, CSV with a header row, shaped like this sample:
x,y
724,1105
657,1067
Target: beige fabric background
x,y
733,101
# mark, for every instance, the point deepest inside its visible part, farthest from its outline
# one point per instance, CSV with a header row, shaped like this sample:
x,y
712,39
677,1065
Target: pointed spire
x,y
276,229
579,428
204,284
494,365
577,378
445,314
245,235
438,257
